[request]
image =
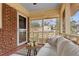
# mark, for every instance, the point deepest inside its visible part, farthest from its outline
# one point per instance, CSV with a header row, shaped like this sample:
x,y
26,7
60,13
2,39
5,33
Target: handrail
x,y
70,34
41,31
72,37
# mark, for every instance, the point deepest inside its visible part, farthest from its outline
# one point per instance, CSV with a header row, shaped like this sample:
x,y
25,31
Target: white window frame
x,y
18,44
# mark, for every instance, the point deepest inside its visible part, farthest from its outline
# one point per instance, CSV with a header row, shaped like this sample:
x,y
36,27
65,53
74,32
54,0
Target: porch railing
x,y
72,37
41,37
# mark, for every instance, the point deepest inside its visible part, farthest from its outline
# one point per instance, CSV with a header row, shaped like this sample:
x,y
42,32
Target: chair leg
x,y
29,52
35,52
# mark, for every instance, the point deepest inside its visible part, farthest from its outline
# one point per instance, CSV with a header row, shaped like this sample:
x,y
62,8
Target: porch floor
x,y
23,52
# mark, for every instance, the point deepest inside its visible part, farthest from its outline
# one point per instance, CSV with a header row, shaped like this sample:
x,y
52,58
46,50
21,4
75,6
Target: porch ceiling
x,y
42,10
40,6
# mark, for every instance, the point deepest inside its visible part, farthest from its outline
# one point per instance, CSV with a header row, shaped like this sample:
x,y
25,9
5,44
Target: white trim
x,y
0,15
18,44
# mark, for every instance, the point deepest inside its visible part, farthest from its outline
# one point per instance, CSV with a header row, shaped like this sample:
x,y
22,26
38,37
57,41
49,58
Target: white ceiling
x,y
40,6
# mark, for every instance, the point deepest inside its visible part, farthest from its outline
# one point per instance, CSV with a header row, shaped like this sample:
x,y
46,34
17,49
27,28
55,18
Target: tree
x,y
45,23
73,26
35,24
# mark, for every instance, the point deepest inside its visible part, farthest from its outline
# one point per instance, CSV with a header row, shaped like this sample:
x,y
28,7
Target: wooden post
x,y
67,18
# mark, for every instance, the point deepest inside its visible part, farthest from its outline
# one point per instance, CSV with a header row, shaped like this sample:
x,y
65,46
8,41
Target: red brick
x,y
8,31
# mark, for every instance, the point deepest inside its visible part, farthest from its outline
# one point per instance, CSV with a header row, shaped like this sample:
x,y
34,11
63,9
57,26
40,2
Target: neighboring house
x,y
47,28
77,28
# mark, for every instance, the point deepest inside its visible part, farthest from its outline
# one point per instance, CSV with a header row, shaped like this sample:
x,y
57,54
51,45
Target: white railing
x,y
41,37
72,37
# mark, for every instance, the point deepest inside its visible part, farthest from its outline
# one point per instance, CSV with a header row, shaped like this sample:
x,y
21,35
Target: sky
x,y
76,16
50,21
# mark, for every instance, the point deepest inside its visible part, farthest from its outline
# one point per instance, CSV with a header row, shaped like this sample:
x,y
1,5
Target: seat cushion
x,y
60,45
53,40
47,50
70,49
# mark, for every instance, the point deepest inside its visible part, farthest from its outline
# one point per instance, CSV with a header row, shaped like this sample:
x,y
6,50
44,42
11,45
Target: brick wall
x,y
8,33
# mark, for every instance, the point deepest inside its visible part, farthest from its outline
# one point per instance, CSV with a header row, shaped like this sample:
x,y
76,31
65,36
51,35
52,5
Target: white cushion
x,y
60,44
47,50
53,40
70,49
